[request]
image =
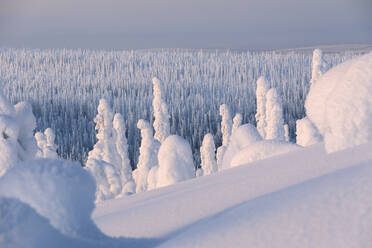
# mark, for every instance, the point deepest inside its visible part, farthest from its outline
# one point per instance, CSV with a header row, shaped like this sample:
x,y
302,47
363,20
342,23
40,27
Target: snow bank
x,y
22,227
58,190
175,161
243,136
306,133
330,211
340,104
261,150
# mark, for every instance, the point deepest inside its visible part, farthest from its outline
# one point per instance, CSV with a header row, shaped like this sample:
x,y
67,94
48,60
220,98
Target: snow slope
x,y
171,213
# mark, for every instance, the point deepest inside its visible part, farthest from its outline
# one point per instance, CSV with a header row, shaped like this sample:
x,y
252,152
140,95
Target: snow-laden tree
x,y
148,155
45,142
175,161
161,121
274,116
17,142
207,155
226,129
306,133
237,122
103,158
123,166
319,65
286,132
261,91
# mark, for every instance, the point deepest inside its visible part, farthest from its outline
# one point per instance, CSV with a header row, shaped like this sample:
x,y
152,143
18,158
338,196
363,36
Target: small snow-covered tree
x,y
306,133
207,155
261,91
175,161
161,122
148,155
237,122
318,65
123,167
274,116
286,132
45,142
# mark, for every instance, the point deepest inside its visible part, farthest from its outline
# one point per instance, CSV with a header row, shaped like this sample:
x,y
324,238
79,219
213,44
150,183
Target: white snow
x,y
169,213
340,104
244,136
261,150
274,116
261,91
207,156
306,133
175,161
160,108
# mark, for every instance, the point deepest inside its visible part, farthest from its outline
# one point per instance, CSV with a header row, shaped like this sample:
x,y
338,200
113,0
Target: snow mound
x,y
58,190
306,133
22,227
262,150
330,211
175,161
340,104
244,136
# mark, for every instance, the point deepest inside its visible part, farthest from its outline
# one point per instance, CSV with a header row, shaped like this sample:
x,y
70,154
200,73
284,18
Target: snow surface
x,y
340,104
243,136
171,213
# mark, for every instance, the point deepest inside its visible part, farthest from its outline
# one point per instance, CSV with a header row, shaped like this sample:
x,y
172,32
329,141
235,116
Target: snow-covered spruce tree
x,y
274,116
104,155
45,142
237,122
207,155
123,167
161,121
261,91
226,128
175,161
148,156
17,142
306,133
286,132
318,65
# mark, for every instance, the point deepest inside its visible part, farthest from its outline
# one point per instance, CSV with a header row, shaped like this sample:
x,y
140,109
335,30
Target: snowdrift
x,y
340,104
167,212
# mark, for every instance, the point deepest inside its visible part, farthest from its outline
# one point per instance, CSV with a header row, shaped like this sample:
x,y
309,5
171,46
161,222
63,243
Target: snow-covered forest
x,y
64,88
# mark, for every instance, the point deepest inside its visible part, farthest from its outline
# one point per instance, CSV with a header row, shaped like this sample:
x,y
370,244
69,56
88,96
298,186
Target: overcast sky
x,y
242,24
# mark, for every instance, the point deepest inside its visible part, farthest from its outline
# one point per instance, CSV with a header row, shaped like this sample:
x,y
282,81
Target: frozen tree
x,y
274,116
123,166
207,155
261,91
45,142
306,133
226,128
175,161
148,156
318,65
161,122
103,158
17,142
286,132
237,122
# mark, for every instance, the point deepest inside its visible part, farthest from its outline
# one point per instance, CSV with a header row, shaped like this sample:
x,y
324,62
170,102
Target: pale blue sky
x,y
250,24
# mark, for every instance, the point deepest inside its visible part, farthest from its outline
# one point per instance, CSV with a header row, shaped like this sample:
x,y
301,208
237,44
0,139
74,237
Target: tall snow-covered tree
x,y
274,116
148,155
103,158
207,155
237,122
226,128
318,65
286,132
261,91
123,166
161,122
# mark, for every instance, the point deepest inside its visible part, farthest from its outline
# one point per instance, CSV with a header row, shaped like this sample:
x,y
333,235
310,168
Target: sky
x,y
137,24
